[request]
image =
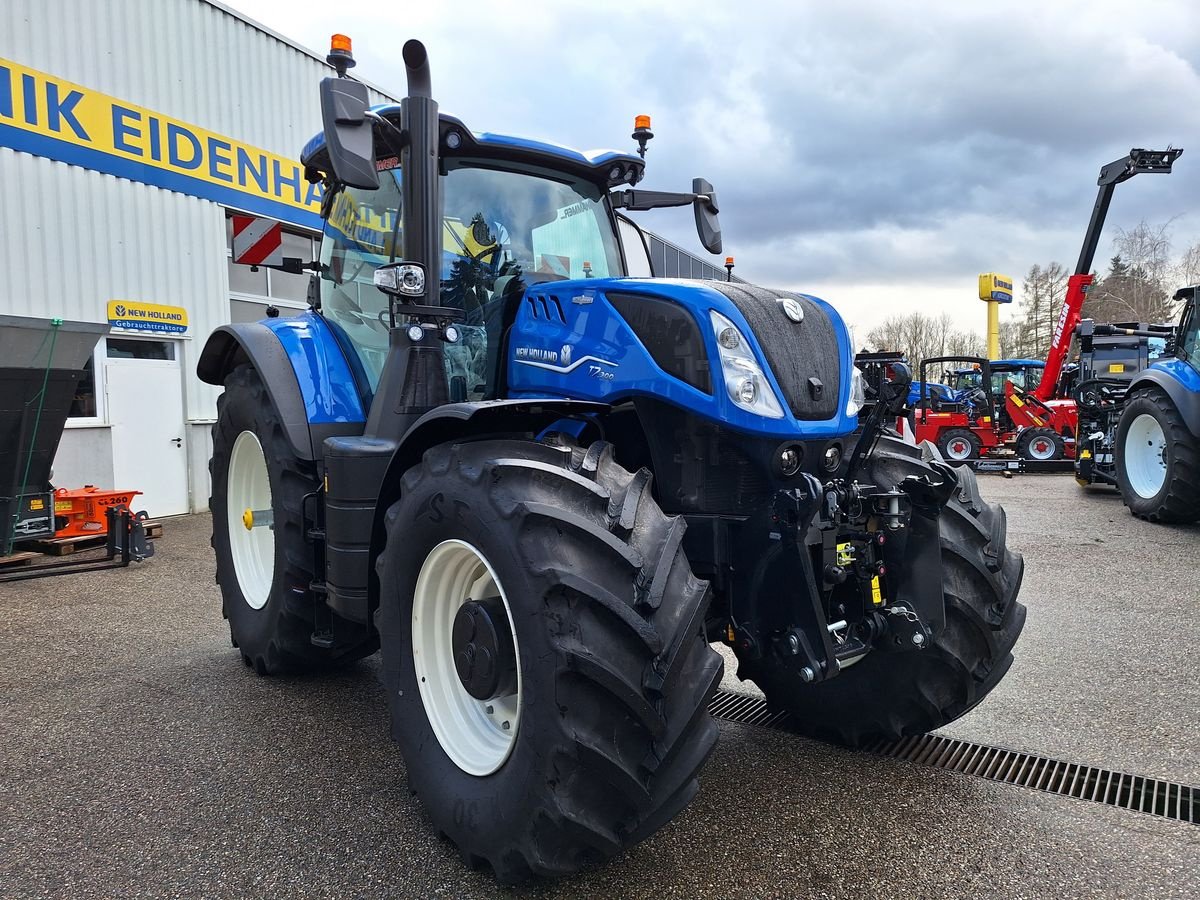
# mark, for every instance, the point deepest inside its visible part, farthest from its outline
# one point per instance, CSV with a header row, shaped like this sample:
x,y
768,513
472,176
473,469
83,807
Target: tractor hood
x,y
612,339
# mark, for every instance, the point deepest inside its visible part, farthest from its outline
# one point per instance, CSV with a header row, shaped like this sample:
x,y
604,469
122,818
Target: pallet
x,y
20,558
67,545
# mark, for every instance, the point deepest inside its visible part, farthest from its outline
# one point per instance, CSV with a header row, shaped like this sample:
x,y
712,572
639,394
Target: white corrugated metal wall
x,y
71,239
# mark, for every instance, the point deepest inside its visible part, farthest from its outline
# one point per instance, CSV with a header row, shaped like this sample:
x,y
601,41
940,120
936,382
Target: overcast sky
x,y
875,155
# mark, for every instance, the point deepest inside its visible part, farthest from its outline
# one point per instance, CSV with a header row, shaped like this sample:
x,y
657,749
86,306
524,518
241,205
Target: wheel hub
x,y
484,656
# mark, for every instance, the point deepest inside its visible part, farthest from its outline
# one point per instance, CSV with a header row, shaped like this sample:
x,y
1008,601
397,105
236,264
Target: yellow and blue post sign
x,y
49,117
995,289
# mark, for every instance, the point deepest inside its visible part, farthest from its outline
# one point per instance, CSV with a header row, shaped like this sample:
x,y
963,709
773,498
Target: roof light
x,y
641,133
729,260
340,56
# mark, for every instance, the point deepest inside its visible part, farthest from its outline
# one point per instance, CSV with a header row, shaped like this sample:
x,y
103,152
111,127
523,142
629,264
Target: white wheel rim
x,y
476,740
1041,447
253,549
958,448
1145,456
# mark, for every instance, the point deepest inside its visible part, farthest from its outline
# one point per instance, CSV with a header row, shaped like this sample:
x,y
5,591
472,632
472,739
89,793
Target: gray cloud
x,y
861,143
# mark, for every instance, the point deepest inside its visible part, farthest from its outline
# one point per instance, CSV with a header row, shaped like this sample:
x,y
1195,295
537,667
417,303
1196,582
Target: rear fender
x,y
303,369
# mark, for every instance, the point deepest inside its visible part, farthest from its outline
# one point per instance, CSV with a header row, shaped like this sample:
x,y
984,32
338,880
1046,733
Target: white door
x,y
144,388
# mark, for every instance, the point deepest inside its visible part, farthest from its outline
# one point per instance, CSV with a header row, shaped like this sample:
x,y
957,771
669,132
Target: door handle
x,y
178,442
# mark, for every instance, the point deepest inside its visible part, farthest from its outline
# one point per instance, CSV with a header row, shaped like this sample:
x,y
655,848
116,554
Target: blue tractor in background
x,y
1158,433
543,489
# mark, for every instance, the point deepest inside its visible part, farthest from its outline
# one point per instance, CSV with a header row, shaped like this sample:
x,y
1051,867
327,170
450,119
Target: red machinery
x,y
81,512
1037,425
1045,419
962,429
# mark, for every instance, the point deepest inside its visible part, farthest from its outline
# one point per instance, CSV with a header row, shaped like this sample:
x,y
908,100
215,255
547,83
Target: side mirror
x,y
349,136
706,209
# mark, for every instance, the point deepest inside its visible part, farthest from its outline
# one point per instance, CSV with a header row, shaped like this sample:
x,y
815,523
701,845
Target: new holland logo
x,y
564,355
791,309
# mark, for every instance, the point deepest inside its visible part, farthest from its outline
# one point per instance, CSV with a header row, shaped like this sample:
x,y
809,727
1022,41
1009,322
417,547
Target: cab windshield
x,y
502,230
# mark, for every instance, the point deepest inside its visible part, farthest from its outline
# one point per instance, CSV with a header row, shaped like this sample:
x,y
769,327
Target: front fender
x,y
455,421
1180,382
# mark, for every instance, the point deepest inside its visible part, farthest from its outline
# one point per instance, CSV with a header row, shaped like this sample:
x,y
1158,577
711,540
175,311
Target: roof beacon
x,y
340,56
641,133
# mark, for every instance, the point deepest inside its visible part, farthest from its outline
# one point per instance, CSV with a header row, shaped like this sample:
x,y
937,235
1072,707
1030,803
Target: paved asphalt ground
x,y
138,756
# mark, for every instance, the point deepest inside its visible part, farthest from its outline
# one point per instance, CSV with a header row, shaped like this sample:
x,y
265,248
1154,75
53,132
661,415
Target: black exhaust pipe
x,y
416,61
413,380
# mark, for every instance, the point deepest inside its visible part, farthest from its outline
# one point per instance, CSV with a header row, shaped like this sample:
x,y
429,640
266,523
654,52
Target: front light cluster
x,y
858,392
745,382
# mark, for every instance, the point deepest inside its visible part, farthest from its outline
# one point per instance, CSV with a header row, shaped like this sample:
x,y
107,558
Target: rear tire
x,y
609,714
959,445
886,696
1158,460
1041,445
265,573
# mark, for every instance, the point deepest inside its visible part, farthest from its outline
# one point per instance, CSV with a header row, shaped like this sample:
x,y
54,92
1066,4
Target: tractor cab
x,y
513,214
488,216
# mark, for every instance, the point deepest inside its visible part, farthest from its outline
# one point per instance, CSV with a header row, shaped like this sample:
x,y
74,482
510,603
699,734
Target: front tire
x,y
1040,445
607,715
959,445
1158,463
265,570
886,696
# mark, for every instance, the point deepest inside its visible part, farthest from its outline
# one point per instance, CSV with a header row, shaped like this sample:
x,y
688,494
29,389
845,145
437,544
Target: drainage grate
x,y
1154,796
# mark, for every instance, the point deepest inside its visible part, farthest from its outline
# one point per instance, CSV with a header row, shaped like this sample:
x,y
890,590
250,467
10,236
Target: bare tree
x,y
919,337
1138,285
1187,270
1011,345
1042,293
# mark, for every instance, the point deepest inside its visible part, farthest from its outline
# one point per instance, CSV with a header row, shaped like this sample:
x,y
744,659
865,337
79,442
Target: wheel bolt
x,y
504,725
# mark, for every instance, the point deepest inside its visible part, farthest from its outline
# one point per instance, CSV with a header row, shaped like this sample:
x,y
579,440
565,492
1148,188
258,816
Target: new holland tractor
x,y
541,489
1158,434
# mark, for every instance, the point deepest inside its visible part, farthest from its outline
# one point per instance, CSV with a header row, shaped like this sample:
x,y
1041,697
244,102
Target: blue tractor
x,y
543,489
1158,433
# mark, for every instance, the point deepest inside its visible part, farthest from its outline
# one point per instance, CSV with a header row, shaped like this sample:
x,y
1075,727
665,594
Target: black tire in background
x,y
885,696
1026,445
276,638
948,438
615,670
1178,500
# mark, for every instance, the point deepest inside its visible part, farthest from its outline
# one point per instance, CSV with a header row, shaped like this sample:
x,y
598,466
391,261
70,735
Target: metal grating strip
x,y
1138,793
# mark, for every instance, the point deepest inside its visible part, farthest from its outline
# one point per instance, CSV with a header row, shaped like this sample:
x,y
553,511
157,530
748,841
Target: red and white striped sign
x,y
257,242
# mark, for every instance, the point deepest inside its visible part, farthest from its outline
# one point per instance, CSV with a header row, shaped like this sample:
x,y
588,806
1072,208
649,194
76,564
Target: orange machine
x,y
81,512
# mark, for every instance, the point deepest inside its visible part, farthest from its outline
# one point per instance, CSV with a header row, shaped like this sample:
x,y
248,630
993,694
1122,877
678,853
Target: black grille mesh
x,y
796,351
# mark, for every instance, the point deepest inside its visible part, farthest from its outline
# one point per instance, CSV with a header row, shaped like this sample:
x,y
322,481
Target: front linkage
x,y
850,565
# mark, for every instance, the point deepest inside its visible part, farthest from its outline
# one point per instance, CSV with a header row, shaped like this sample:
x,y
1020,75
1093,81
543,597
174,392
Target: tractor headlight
x,y
858,392
745,382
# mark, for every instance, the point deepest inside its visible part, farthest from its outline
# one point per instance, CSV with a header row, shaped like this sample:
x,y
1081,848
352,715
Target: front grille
x,y
797,352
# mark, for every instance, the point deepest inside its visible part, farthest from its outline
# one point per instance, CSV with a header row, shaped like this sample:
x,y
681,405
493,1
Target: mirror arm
x,y
396,137
643,200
